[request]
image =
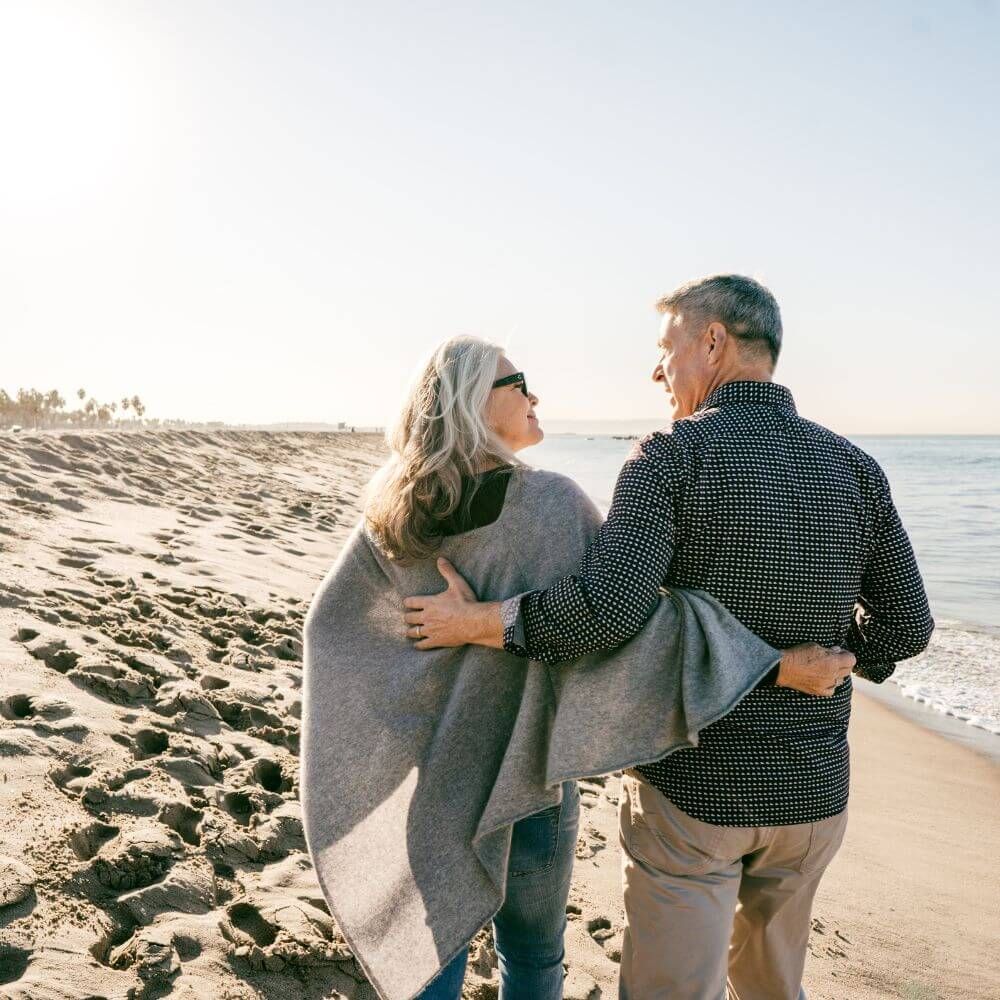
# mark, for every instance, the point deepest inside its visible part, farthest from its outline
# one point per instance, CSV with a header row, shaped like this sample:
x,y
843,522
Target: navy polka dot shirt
x,y
794,530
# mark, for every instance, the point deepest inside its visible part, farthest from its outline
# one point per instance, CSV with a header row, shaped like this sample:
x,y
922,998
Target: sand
x,y
152,597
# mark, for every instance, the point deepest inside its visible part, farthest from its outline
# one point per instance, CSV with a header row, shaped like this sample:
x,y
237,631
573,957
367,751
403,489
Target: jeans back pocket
x,y
533,842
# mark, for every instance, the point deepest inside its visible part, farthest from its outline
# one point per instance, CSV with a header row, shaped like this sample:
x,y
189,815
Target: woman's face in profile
x,y
510,414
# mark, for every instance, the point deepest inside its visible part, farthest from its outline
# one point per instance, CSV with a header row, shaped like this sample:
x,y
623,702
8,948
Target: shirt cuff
x,y
875,672
514,640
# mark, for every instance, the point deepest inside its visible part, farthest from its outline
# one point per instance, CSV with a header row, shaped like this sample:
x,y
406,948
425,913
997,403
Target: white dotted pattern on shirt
x,y
788,525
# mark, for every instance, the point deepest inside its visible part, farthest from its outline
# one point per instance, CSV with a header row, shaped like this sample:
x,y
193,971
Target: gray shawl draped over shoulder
x,y
415,764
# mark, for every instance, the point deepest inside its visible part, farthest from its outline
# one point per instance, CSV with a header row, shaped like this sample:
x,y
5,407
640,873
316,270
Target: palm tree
x,y
138,406
80,393
31,403
54,404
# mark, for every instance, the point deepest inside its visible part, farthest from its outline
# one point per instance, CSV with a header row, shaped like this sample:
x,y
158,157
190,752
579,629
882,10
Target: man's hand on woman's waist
x,y
454,617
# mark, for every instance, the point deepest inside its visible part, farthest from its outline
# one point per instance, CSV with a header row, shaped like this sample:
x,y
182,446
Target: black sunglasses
x,y
515,379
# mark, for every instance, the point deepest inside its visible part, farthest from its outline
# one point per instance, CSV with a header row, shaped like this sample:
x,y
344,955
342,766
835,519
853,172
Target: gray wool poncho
x,y
415,764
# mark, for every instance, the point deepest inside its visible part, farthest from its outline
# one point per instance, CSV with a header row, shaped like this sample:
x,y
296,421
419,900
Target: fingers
x,y
416,603
455,579
422,641
838,664
448,571
838,680
414,617
820,688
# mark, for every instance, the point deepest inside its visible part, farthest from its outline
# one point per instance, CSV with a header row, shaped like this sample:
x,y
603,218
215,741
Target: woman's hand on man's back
x,y
814,669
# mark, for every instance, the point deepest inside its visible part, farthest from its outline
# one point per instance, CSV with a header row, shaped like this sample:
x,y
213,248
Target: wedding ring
x,y
419,636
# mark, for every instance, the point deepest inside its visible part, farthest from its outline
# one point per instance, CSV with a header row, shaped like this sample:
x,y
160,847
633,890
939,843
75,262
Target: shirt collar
x,y
758,393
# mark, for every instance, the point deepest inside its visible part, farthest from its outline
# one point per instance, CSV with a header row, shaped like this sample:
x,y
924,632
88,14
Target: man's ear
x,y
716,336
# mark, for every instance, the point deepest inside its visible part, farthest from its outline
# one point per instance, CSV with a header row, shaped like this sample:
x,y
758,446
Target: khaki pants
x,y
705,904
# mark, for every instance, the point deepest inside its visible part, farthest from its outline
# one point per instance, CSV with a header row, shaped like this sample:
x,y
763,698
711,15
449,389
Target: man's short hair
x,y
744,306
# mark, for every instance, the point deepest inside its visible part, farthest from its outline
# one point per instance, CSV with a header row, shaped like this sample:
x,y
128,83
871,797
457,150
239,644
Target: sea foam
x,y
958,675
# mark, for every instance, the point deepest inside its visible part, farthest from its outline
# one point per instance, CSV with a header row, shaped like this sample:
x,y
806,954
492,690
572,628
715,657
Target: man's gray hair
x,y
744,306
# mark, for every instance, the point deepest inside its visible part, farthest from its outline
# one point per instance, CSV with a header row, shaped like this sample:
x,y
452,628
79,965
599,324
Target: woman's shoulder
x,y
543,482
543,490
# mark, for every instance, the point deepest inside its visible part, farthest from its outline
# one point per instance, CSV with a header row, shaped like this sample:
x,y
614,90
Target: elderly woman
x,y
423,772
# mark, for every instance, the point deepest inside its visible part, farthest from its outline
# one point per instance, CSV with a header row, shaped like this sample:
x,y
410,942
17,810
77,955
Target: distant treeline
x,y
33,409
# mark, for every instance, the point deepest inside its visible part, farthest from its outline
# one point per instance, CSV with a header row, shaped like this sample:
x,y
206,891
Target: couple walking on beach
x,y
701,638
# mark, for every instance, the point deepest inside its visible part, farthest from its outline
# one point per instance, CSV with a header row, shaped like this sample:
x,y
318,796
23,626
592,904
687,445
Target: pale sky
x,y
271,211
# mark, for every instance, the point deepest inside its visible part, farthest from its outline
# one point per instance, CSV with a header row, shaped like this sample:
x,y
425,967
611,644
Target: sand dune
x,y
150,618
151,604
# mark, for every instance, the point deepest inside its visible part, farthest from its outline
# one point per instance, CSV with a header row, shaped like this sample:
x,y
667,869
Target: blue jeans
x,y
528,929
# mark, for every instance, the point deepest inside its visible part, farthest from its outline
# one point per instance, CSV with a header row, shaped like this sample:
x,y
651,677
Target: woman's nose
x,y
658,372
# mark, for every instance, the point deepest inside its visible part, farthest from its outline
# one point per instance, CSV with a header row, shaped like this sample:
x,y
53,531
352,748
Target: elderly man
x,y
793,528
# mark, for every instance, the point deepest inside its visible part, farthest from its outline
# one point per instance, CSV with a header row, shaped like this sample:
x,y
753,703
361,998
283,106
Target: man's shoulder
x,y
849,452
721,428
682,436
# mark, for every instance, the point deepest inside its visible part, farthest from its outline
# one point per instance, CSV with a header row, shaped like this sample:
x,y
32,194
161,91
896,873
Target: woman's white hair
x,y
440,436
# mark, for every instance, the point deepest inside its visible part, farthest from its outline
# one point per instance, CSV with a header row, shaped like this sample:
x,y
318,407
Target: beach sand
x,y
152,597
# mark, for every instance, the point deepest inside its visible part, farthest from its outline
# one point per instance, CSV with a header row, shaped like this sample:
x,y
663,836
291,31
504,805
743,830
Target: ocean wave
x,y
957,675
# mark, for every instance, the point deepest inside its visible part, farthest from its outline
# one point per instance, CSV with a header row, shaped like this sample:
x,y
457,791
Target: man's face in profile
x,y
678,368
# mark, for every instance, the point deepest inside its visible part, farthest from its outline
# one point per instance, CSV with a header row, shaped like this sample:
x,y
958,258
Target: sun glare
x,y
66,120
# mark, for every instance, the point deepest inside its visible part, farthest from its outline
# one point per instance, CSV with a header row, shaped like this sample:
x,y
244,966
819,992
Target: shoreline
x,y
956,730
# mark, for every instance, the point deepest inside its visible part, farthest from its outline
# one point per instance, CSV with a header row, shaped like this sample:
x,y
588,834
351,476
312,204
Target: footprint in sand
x,y
241,805
590,842
71,778
191,772
136,857
85,841
188,887
827,941
149,743
112,682
274,931
184,820
17,706
185,699
607,935
154,954
270,776
47,715
17,882
53,652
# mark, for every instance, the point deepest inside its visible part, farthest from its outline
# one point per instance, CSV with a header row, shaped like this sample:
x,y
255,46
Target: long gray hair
x,y
440,436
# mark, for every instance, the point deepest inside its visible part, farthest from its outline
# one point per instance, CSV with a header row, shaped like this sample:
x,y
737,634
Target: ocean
x,y
947,491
